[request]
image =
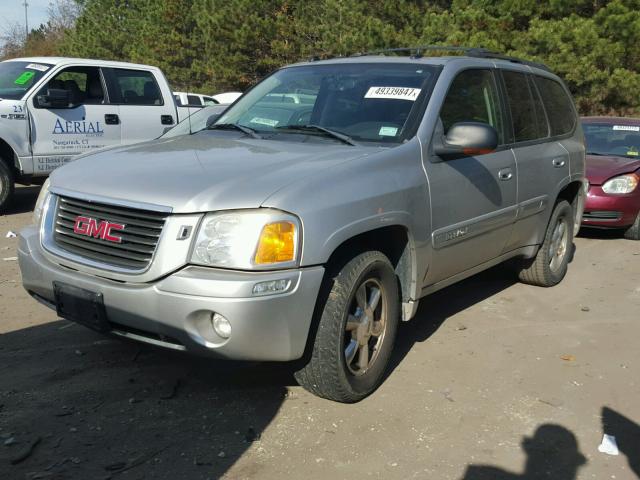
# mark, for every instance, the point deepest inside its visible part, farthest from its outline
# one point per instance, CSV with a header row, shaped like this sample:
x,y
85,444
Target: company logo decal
x,y
77,128
90,227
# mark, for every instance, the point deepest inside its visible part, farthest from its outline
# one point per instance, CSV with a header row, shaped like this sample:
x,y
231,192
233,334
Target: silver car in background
x,y
314,214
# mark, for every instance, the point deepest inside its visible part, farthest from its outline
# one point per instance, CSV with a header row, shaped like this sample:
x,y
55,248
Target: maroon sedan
x,y
613,171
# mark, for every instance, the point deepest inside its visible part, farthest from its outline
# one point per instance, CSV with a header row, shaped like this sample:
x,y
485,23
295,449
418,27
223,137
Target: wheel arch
x,y
395,241
8,155
574,193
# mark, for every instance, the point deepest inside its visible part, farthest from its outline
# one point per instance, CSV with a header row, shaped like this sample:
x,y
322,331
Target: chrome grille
x,y
140,234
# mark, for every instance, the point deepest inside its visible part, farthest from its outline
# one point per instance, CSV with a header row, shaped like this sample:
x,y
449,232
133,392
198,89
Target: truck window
x,y
133,87
557,104
527,115
83,84
473,97
194,101
209,101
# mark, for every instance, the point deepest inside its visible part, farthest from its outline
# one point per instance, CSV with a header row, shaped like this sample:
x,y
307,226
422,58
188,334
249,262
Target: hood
x,y
602,168
202,172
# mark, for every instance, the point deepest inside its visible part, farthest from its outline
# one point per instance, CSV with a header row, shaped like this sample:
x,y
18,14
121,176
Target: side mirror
x,y
467,139
55,98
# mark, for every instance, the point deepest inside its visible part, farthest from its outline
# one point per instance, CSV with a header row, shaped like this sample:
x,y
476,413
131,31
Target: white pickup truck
x,y
53,109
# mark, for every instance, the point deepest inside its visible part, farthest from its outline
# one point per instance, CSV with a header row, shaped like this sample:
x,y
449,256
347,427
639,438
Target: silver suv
x,y
313,215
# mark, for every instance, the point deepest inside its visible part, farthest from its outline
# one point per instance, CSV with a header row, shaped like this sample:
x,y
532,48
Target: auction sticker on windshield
x,y
627,128
37,66
395,93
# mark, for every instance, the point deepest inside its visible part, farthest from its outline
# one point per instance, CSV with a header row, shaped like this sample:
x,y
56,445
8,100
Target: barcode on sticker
x,y
627,128
395,93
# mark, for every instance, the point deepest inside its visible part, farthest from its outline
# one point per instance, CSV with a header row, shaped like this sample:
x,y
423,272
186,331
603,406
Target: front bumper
x,y
175,311
610,211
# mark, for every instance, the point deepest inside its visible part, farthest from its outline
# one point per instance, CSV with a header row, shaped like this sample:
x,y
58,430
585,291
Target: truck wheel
x,y
633,232
549,266
356,331
6,185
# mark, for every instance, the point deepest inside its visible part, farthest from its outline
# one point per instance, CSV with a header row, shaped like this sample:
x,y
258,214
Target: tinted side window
x,y
194,100
557,104
473,97
134,87
527,115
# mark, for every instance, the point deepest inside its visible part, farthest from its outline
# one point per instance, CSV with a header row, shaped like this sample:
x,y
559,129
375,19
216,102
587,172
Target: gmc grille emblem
x,y
90,227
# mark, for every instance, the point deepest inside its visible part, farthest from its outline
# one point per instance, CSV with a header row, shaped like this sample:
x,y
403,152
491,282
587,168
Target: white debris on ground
x,y
608,445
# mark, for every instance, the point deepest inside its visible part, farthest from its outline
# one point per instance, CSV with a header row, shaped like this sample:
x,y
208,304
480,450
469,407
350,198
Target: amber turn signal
x,y
276,244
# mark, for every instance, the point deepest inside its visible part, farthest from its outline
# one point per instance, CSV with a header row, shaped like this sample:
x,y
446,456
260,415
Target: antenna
x,y
26,21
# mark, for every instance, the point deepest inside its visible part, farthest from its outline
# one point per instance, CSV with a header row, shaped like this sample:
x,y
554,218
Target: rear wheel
x,y
356,331
550,264
6,185
633,232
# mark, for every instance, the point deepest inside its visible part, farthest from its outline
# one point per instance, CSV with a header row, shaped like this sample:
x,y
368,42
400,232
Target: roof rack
x,y
476,52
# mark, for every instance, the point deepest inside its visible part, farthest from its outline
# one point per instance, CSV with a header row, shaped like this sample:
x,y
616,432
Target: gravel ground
x,y
493,380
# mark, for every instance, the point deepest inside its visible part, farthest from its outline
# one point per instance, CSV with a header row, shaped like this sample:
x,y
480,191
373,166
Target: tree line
x,y
211,46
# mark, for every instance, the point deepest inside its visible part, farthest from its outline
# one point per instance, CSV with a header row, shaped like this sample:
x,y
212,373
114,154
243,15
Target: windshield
x,y
198,120
377,102
611,139
16,78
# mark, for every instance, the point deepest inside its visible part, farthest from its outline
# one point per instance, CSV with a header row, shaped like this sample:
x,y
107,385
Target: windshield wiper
x,y
318,129
598,154
234,126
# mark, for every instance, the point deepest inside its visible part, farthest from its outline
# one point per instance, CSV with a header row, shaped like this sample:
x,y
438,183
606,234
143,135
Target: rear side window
x,y
527,114
194,100
557,104
134,87
473,97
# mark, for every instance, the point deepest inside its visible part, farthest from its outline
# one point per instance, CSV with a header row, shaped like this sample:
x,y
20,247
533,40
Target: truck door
x,y
473,198
60,131
146,111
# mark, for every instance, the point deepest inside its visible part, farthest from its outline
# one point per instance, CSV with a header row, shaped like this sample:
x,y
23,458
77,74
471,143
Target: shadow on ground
x,y
552,453
627,434
601,233
436,308
74,404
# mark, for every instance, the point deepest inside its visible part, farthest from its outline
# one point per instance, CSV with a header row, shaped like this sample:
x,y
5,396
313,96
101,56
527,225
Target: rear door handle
x,y
166,119
111,119
558,162
505,174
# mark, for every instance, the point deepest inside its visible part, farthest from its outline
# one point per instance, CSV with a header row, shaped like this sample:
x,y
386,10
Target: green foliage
x,y
215,45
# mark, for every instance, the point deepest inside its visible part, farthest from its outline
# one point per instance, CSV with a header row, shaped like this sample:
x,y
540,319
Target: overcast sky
x,y
12,12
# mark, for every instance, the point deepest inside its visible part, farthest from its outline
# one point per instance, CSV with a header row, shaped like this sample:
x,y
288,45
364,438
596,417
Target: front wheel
x,y
356,331
6,184
550,264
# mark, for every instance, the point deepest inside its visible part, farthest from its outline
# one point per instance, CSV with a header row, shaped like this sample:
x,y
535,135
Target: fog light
x,y
221,325
270,287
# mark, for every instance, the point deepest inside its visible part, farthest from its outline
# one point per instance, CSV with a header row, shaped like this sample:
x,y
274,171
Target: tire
x,y
549,266
6,185
633,232
334,370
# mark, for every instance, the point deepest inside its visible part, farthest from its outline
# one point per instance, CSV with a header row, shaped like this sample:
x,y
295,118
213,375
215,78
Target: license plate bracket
x,y
81,306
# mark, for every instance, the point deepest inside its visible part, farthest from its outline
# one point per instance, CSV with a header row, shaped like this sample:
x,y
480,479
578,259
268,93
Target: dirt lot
x,y
493,380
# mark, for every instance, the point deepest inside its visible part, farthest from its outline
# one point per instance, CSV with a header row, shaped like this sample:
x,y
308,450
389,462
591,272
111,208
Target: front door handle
x,y
111,119
166,119
558,162
505,174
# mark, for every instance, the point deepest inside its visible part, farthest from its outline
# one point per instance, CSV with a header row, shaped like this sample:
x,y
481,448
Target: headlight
x,y
42,198
622,184
248,239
